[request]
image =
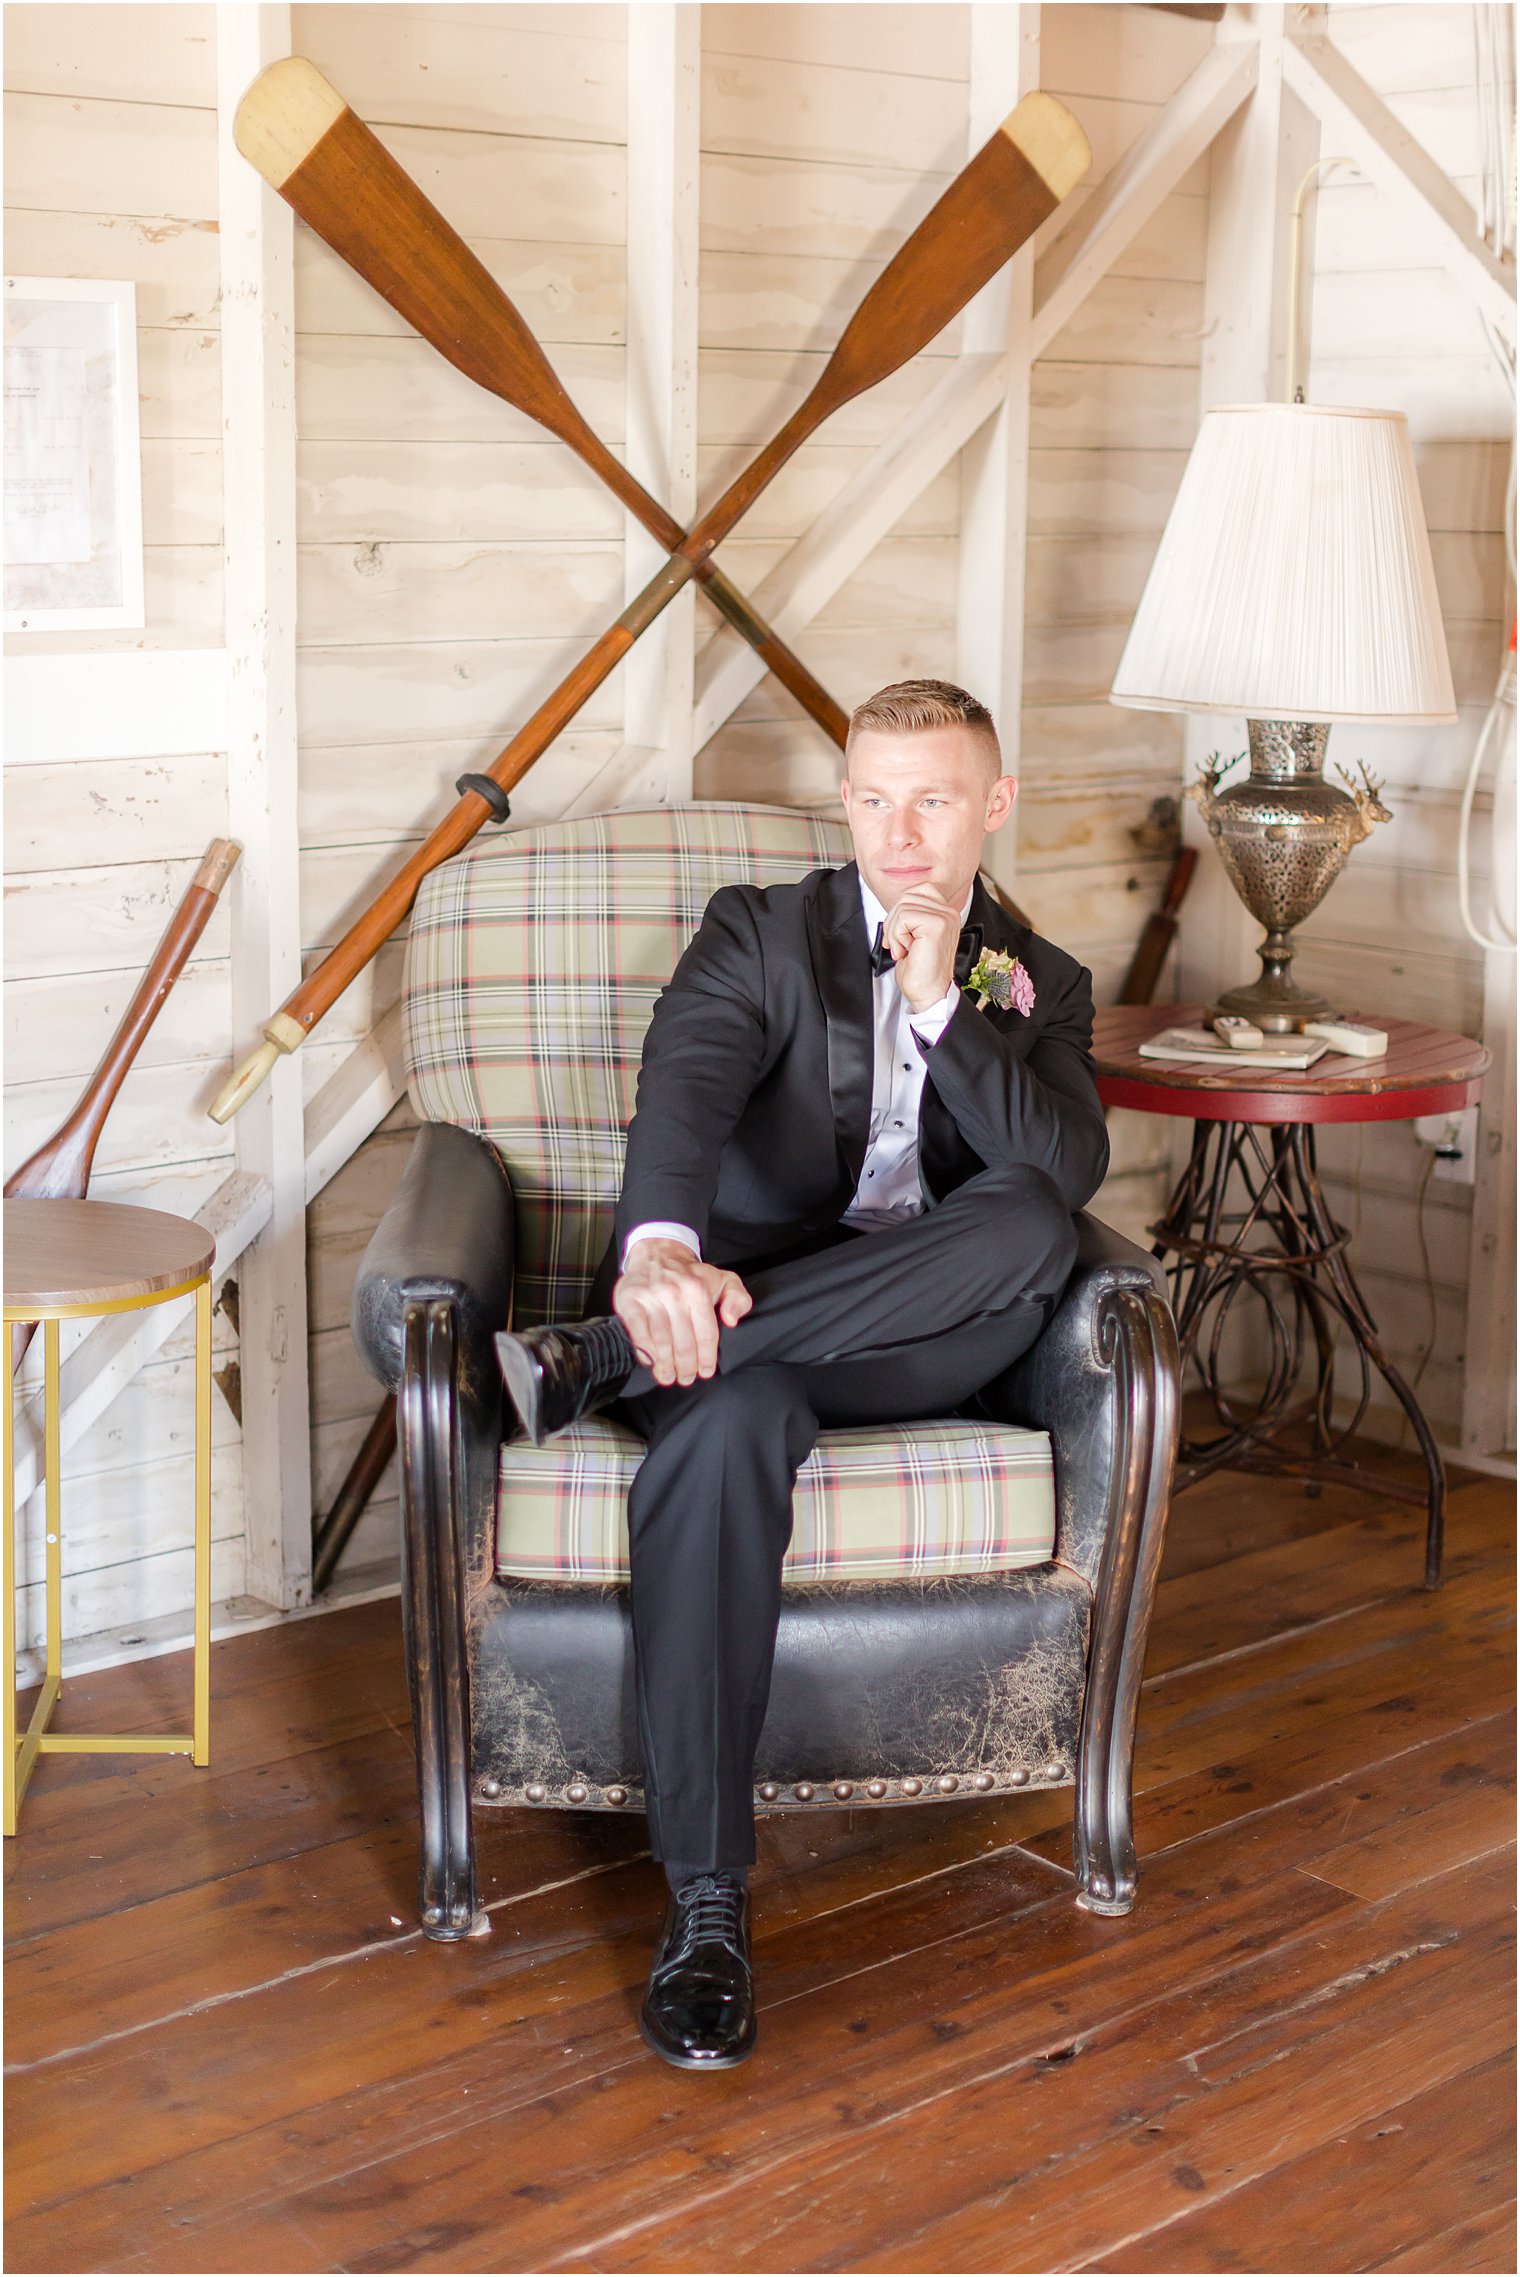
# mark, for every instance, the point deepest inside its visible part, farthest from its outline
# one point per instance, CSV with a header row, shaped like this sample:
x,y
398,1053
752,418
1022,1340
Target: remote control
x,y
1237,1033
1354,1036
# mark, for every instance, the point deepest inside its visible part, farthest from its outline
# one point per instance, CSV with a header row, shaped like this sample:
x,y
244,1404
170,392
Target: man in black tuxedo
x,y
848,1198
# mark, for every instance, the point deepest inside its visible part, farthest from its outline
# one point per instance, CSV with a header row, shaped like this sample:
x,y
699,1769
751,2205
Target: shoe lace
x,y
710,1911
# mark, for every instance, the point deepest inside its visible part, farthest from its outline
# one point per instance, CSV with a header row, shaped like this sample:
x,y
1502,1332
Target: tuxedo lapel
x,y
941,1149
842,969
999,930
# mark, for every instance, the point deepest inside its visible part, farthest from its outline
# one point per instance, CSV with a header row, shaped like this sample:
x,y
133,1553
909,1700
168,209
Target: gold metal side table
x,y
68,1260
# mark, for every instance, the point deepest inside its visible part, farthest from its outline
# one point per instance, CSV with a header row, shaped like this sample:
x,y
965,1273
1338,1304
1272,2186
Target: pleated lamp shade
x,y
1294,578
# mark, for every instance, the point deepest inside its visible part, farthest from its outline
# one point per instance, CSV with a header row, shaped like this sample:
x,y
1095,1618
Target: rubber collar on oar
x,y
486,787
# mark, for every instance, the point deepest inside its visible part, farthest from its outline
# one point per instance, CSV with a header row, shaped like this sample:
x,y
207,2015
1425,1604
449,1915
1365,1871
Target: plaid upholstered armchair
x,y
966,1601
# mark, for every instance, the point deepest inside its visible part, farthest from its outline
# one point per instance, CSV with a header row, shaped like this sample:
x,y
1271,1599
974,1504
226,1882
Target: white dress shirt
x,y
889,1188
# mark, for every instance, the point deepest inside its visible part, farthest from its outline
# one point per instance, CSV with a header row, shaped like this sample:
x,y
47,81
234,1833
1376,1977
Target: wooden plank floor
x,y
228,2048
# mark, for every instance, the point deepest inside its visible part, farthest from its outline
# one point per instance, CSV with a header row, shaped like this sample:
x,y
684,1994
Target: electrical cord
x,y
1430,1293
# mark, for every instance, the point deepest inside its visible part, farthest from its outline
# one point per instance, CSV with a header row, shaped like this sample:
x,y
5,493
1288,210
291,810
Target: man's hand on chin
x,y
922,932
671,1305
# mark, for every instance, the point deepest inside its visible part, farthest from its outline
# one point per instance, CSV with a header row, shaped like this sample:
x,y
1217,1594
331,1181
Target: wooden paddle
x,y
302,137
1160,932
995,205
60,1168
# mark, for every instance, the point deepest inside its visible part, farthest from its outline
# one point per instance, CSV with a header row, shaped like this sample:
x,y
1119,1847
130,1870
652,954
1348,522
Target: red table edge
x,y
1234,1104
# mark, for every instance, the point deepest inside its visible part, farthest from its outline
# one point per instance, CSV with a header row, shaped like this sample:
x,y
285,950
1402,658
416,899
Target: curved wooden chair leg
x,y
427,1417
1137,1340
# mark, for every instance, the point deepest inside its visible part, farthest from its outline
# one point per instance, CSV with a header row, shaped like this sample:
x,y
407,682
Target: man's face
x,y
919,807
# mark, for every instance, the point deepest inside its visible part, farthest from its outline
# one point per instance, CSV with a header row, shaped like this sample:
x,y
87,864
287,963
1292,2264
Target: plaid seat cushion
x,y
533,964
870,1505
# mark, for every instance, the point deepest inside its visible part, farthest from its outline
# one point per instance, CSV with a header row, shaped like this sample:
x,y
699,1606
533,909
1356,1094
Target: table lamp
x,y
1294,584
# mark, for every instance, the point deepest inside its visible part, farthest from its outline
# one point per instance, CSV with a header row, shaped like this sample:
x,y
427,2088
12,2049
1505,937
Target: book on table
x,y
1200,1046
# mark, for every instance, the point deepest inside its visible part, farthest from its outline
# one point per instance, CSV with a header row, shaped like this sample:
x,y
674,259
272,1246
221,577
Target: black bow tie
x,y
967,949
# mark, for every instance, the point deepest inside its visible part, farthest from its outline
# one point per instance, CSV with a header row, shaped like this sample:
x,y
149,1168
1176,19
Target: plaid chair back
x,y
532,968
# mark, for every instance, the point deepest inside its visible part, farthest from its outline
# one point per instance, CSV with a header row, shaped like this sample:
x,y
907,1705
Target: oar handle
x,y
287,1029
281,1035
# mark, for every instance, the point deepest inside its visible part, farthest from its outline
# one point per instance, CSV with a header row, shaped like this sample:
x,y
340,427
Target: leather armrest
x,y
1068,1383
449,1232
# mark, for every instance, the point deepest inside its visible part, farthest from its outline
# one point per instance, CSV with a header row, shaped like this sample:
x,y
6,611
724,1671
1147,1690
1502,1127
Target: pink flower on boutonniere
x,y
1000,979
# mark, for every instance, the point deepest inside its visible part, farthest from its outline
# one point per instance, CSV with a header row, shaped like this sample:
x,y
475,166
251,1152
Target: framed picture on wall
x,y
73,471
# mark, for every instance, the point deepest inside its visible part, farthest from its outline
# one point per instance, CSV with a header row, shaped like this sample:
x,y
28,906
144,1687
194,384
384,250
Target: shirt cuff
x,y
930,1025
661,1229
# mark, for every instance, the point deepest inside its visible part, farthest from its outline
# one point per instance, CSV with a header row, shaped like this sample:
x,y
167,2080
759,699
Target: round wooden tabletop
x,y
84,1253
1425,1071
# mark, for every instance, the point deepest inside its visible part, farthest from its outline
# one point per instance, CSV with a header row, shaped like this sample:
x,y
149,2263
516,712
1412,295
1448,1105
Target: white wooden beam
x,y
258,454
1095,233
354,1101
994,517
1258,160
1358,121
664,107
871,504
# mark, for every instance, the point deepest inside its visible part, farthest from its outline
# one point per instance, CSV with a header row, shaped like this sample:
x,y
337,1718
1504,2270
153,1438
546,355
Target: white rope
x,y
1493,71
1504,695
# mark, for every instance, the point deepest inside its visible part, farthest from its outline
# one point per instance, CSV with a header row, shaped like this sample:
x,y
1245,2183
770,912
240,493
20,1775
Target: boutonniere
x,y
1000,979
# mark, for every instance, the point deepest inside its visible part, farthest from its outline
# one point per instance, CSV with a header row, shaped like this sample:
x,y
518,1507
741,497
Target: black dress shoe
x,y
554,1376
699,2011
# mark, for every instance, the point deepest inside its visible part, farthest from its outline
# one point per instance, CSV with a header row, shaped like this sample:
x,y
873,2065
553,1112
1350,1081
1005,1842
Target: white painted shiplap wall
x,y
116,774
1389,328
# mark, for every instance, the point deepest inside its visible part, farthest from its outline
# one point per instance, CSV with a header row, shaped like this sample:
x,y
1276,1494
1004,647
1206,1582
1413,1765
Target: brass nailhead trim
x,y
576,1793
535,1793
617,1795
1055,1770
490,1788
842,1790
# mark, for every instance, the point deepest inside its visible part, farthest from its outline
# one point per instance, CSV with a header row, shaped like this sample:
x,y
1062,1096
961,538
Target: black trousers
x,y
867,1328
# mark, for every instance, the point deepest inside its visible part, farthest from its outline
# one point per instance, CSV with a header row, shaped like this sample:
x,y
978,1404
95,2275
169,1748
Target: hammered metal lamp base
x,y
1283,836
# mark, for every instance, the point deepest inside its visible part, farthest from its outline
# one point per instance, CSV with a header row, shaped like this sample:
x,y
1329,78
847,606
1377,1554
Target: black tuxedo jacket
x,y
754,1098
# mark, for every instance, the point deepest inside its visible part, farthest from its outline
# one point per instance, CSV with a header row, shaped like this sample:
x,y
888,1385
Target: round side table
x,y
67,1260
1249,1215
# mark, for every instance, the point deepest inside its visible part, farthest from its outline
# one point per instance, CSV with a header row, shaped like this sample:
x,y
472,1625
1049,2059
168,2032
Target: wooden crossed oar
x,y
342,181
994,205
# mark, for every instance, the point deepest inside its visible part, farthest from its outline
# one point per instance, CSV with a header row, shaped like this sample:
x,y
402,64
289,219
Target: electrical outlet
x,y
1455,1140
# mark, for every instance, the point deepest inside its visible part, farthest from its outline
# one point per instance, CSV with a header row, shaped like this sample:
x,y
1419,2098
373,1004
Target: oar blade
x,y
296,129
1018,178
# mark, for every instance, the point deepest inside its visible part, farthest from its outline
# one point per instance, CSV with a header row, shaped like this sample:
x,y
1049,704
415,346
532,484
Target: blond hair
x,y
909,707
